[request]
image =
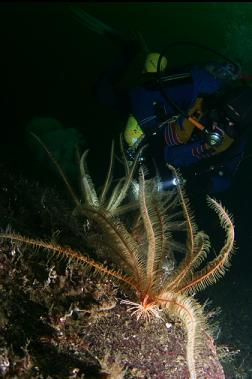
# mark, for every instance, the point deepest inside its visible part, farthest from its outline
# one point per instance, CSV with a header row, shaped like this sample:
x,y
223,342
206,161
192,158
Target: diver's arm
x,y
181,131
204,83
187,154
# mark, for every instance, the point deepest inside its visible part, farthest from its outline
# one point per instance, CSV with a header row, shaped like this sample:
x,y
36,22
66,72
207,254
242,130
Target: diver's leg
x,y
129,46
105,86
127,41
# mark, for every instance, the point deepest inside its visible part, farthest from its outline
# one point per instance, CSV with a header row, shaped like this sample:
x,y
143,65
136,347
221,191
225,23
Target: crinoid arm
x,y
189,311
87,185
110,199
117,236
216,268
108,180
120,192
70,255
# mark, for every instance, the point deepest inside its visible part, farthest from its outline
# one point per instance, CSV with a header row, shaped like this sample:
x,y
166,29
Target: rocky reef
x,y
59,321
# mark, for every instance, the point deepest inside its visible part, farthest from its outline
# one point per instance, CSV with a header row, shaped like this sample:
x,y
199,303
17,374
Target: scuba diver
x,y
193,118
195,123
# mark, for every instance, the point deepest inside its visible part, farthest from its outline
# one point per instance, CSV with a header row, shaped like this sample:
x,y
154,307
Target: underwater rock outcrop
x,y
139,320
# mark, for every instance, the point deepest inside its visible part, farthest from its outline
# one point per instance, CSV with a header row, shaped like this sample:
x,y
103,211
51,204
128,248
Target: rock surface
x,y
58,322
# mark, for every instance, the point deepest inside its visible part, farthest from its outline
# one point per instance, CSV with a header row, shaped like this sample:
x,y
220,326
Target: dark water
x,y
48,66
